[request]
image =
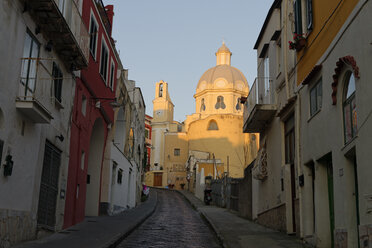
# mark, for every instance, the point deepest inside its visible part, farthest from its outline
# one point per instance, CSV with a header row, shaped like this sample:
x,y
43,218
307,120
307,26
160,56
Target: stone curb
x,y
121,236
208,220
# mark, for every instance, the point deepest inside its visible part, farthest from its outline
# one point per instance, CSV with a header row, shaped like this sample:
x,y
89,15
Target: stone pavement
x,y
98,232
234,231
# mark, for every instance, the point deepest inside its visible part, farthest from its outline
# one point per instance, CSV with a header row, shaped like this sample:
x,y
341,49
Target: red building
x,y
92,115
148,131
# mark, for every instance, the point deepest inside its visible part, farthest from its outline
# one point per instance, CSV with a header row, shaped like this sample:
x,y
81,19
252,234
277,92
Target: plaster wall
x,y
23,139
226,141
120,191
323,137
271,197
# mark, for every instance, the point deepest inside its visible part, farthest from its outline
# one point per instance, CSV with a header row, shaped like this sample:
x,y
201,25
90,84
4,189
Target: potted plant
x,y
299,42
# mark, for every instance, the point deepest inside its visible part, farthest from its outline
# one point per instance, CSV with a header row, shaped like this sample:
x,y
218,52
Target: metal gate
x,y
46,215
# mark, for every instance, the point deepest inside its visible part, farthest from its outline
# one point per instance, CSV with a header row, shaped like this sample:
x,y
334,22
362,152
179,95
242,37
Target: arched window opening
x,y
349,107
238,104
202,106
220,103
160,90
212,125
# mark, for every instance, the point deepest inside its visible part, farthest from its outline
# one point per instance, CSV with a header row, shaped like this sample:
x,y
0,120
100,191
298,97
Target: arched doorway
x,y
94,168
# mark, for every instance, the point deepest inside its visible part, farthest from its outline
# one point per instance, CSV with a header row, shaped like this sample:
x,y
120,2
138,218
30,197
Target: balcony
x,y
34,95
260,107
62,23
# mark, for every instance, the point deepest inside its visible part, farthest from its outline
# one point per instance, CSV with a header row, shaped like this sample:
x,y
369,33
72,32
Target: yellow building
x,y
215,127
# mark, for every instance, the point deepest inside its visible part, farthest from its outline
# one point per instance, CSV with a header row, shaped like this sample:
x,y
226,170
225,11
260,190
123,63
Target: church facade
x,y
210,142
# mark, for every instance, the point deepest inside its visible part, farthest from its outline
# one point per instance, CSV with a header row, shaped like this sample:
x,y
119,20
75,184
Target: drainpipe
x,y
298,158
285,42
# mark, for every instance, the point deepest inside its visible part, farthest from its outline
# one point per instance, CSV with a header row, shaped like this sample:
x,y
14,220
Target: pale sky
x,y
176,41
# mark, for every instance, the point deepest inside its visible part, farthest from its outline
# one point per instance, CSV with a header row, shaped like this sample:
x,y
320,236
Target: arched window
x,y
160,90
238,104
202,106
212,125
349,107
220,103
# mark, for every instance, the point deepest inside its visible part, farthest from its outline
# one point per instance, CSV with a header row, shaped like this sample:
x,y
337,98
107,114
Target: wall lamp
x,y
112,101
60,137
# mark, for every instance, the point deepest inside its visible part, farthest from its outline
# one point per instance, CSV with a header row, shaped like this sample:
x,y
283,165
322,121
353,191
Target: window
x,y
177,152
93,33
179,128
84,105
112,75
104,60
61,6
120,176
57,79
220,103
301,18
160,90
202,106
298,16
82,160
212,125
309,14
316,98
349,107
29,63
238,104
289,140
278,56
267,74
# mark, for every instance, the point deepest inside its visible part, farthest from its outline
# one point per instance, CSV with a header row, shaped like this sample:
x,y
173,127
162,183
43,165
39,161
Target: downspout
x,y
285,41
298,158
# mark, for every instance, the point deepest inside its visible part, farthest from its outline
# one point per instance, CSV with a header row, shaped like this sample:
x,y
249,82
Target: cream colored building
x,y
311,106
215,127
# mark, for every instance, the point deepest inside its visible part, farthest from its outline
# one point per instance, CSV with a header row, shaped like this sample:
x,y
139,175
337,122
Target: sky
x,y
175,41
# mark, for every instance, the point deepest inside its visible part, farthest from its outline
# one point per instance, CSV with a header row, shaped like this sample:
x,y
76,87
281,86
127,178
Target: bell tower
x,y
162,104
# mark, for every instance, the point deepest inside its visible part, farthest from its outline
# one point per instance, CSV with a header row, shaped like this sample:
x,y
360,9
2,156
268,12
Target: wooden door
x,y
158,179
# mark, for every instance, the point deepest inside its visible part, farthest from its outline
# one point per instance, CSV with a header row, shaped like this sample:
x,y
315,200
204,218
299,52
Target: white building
x,y
39,60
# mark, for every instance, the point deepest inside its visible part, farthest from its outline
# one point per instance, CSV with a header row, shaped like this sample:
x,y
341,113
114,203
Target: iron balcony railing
x,y
37,85
63,27
262,92
72,13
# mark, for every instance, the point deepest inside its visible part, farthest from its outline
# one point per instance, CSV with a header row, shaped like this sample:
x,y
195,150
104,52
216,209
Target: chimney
x,y
110,14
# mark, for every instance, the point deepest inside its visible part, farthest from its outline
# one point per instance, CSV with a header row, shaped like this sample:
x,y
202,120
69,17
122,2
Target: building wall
x,y
175,165
328,137
24,140
323,33
92,85
227,141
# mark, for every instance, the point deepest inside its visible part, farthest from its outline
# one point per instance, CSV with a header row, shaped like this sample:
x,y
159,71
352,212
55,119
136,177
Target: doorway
x,y
46,214
158,179
328,163
94,169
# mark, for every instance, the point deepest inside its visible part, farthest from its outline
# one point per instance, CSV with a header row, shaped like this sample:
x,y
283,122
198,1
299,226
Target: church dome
x,y
223,75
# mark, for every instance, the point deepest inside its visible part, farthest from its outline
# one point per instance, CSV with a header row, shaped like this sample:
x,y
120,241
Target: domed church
x,y
209,142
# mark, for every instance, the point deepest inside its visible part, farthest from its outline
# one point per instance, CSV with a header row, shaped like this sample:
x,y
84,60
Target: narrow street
x,y
173,224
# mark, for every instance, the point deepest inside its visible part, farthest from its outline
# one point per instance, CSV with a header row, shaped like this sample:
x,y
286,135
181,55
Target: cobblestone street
x,y
174,224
